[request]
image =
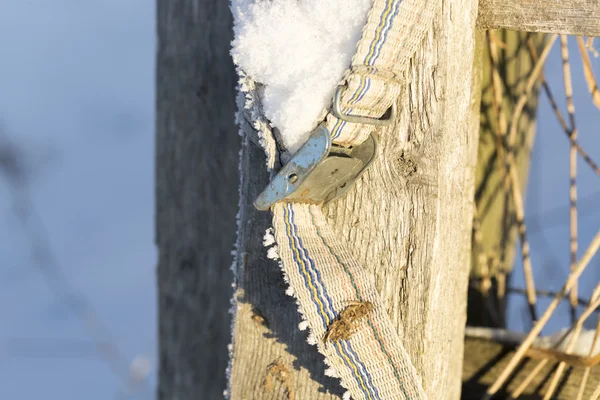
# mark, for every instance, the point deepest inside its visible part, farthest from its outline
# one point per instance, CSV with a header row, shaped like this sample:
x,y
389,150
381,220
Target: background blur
x,y
77,109
77,258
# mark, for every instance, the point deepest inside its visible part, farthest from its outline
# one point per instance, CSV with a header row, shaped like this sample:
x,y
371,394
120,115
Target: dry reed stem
x,y
514,177
572,166
596,393
546,293
588,72
594,303
539,325
512,180
501,282
572,360
586,372
559,116
562,365
522,229
583,383
521,388
482,262
494,38
497,86
537,69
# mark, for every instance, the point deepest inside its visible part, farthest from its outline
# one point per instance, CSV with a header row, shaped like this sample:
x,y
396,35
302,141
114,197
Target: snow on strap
x,y
298,49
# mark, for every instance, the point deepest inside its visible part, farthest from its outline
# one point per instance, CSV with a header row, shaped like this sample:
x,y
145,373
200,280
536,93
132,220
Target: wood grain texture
x,y
484,360
570,17
196,195
408,221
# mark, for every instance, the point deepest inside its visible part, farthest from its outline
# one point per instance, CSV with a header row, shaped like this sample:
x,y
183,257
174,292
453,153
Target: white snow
x,y
582,345
300,50
269,238
303,325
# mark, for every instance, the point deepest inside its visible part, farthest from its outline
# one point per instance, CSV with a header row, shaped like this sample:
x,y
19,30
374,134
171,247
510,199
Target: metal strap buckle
x,y
336,110
318,172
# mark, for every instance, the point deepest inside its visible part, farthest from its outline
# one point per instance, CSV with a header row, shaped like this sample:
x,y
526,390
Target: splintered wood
x,y
344,326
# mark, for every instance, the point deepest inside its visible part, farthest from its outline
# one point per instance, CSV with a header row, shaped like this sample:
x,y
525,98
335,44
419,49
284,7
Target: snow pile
x,y
582,345
298,49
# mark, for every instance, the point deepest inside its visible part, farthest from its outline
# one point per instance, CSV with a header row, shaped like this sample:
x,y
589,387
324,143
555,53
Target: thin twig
x,y
594,303
572,168
583,383
588,72
495,40
530,377
533,77
587,370
497,104
547,293
482,263
559,116
511,180
596,394
522,229
539,325
514,177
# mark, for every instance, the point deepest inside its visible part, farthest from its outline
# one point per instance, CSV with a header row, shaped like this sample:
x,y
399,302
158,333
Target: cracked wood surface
x,y
570,17
408,221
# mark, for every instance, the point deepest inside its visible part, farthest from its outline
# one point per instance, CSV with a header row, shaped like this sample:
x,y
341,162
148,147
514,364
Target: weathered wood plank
x,y
408,221
196,195
571,17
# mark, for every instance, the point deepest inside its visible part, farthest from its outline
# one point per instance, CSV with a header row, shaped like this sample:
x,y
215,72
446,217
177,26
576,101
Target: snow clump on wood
x,y
299,50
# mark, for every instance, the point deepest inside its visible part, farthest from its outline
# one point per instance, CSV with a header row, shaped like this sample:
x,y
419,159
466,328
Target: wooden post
x,y
196,195
408,221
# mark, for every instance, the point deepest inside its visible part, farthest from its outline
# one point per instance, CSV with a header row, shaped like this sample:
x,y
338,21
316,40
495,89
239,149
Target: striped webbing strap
x,y
393,31
325,279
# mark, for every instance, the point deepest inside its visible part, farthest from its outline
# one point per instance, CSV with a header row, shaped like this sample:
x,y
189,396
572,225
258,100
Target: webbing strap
x,y
371,361
390,38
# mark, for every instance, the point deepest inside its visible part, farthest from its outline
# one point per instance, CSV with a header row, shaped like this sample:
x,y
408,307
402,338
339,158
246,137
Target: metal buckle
x,y
336,110
318,172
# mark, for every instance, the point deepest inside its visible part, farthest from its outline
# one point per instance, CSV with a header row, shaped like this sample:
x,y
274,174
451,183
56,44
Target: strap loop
x,y
336,110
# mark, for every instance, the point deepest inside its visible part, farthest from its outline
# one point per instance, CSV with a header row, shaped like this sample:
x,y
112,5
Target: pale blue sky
x,y
77,95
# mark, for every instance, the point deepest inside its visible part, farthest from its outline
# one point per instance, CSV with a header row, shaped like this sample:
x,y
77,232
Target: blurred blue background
x,y
76,205
77,104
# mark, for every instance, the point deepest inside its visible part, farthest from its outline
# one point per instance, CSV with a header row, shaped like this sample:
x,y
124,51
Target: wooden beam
x,y
570,17
408,221
196,195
